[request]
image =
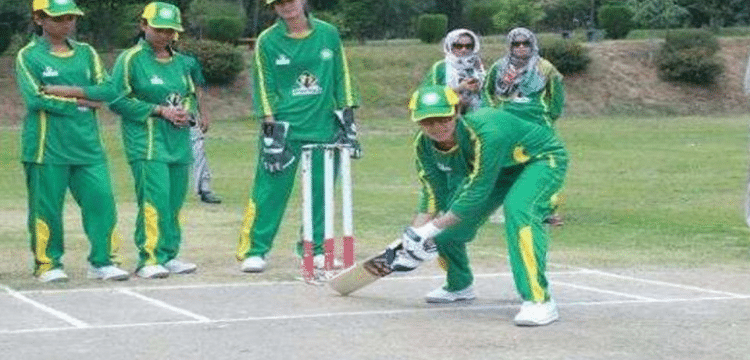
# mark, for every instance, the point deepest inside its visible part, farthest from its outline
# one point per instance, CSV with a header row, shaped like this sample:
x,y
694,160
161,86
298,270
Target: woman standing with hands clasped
x,y
153,82
462,69
61,145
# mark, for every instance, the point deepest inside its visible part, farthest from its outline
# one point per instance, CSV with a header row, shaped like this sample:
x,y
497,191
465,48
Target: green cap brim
x,y
433,112
156,25
74,11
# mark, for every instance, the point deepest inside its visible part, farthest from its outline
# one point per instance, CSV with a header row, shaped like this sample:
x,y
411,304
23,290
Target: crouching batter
x,y
468,167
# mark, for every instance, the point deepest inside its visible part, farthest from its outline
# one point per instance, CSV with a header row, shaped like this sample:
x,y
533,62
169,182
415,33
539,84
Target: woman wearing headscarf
x,y
461,69
524,83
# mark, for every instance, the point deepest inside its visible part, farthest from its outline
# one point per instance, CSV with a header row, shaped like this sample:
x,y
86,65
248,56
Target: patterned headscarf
x,y
527,78
463,67
458,68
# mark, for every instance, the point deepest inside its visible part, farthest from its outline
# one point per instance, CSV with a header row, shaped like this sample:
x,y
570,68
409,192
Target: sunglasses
x,y
519,43
459,46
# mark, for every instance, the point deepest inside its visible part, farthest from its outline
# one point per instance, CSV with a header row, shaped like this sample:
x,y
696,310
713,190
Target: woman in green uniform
x,y
61,145
301,77
461,69
524,83
153,84
469,166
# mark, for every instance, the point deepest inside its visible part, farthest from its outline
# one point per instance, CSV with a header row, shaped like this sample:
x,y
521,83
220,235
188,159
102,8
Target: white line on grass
x,y
437,308
664,283
260,283
56,313
161,304
617,293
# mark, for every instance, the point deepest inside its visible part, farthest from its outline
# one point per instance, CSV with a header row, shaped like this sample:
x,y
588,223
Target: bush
x,y
617,20
690,56
221,62
431,27
219,20
224,29
568,56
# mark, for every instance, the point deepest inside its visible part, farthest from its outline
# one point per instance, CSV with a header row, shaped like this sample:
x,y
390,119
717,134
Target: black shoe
x,y
209,198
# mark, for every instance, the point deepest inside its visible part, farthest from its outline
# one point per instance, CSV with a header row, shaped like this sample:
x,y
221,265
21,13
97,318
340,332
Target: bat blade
x,y
366,272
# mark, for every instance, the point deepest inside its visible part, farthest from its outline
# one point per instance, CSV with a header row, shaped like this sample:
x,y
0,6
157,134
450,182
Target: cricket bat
x,y
366,272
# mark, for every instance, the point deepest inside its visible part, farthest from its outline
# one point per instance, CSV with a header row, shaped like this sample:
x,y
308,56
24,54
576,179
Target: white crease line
x,y
491,275
437,308
617,293
664,283
164,305
56,313
262,283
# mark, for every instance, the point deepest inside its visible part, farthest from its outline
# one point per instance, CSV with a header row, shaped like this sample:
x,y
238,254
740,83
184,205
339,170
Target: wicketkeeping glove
x,y
348,133
276,156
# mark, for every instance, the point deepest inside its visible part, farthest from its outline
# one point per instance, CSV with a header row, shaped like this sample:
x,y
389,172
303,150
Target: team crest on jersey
x,y
307,84
50,72
443,167
156,80
326,54
282,60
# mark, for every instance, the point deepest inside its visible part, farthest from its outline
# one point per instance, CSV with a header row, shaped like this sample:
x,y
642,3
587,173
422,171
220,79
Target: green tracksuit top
x,y
142,82
544,106
302,80
436,75
196,74
56,130
489,141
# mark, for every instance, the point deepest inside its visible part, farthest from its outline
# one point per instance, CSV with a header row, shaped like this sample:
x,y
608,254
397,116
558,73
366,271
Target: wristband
x,y
427,231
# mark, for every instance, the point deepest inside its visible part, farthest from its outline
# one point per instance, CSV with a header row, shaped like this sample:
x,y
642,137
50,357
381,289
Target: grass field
x,y
641,192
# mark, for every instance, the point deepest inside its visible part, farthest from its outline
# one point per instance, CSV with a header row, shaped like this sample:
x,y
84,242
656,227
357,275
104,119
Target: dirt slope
x,y
622,79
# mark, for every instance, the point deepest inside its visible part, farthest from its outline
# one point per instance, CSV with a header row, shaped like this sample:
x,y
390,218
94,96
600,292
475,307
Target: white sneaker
x,y
109,272
53,276
536,314
319,261
440,295
253,264
152,272
180,267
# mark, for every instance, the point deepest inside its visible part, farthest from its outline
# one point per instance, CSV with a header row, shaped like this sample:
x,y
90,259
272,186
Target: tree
x,y
565,14
717,13
453,9
515,13
658,14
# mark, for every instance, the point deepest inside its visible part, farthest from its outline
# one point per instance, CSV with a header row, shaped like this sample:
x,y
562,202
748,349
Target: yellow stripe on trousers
x,y
40,250
244,244
529,261
151,222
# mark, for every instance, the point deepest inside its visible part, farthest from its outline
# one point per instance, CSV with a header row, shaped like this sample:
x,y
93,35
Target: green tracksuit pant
x,y
268,202
91,188
160,190
528,194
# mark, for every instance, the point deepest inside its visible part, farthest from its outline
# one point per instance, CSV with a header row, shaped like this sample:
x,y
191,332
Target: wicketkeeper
x,y
301,79
469,166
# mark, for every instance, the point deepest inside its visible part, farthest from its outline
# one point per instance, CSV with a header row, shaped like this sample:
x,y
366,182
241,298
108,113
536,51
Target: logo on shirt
x,y
326,54
282,60
156,80
444,168
307,84
50,72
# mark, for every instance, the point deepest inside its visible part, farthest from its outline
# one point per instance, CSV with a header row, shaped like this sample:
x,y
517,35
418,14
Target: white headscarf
x,y
458,68
524,67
